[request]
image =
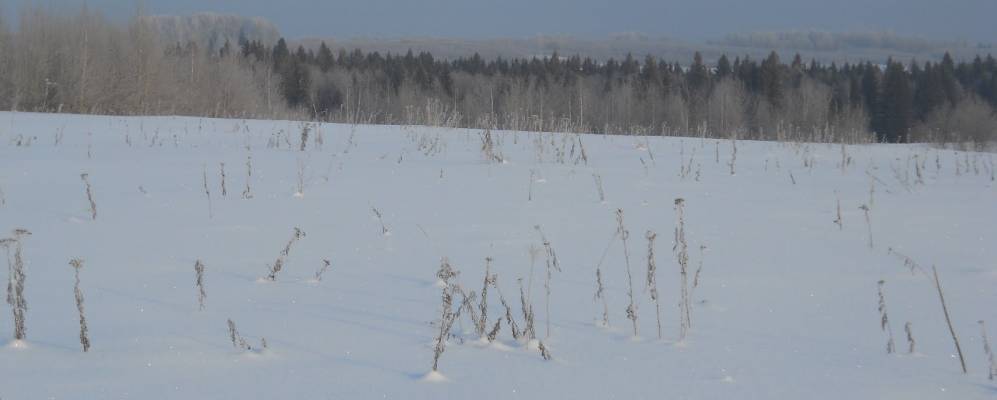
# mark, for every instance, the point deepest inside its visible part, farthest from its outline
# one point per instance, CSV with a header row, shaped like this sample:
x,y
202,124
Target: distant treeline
x,y
83,64
833,41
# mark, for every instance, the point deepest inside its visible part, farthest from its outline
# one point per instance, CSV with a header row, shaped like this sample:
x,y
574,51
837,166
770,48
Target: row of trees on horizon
x,y
83,64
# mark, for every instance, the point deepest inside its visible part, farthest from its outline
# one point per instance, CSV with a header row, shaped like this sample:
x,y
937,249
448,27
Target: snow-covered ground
x,y
785,307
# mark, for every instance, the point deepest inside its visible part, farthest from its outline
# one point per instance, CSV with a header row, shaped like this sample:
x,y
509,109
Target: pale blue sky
x,y
971,20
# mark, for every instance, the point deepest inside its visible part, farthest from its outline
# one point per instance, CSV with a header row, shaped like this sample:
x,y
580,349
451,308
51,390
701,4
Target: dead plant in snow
x,y
278,265
681,249
948,320
15,281
447,316
93,204
77,264
988,351
552,265
652,271
884,319
624,234
199,283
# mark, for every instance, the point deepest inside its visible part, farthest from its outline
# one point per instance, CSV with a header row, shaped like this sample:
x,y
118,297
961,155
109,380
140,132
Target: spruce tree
x,y
897,104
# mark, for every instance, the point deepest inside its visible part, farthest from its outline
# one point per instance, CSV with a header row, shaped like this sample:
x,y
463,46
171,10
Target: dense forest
x,y
84,64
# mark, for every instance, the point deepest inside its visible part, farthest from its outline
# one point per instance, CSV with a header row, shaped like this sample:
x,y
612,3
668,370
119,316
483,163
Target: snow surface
x,y
786,306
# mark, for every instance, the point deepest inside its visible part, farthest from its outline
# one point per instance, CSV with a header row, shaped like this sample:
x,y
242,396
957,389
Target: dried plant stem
x,y
516,334
681,249
380,219
240,342
838,220
908,262
490,280
222,169
529,330
884,320
552,265
199,282
207,191
304,136
652,272
948,320
447,316
544,352
15,282
598,187
279,263
601,295
988,351
93,204
624,234
77,264
248,192
908,328
325,266
699,269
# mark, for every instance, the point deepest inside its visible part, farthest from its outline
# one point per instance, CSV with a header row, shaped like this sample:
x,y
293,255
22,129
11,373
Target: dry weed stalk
x,y
552,265
681,249
380,219
305,128
279,263
325,266
207,191
199,282
248,192
908,262
493,334
544,352
624,235
948,320
222,169
991,364
466,303
240,342
15,281
529,330
93,205
652,272
447,317
488,147
77,264
482,323
598,187
585,158
884,319
909,329
516,334
699,269
601,295
839,221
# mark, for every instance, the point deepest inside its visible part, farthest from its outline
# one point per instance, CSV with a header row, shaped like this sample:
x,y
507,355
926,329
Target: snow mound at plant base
x,y
783,299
